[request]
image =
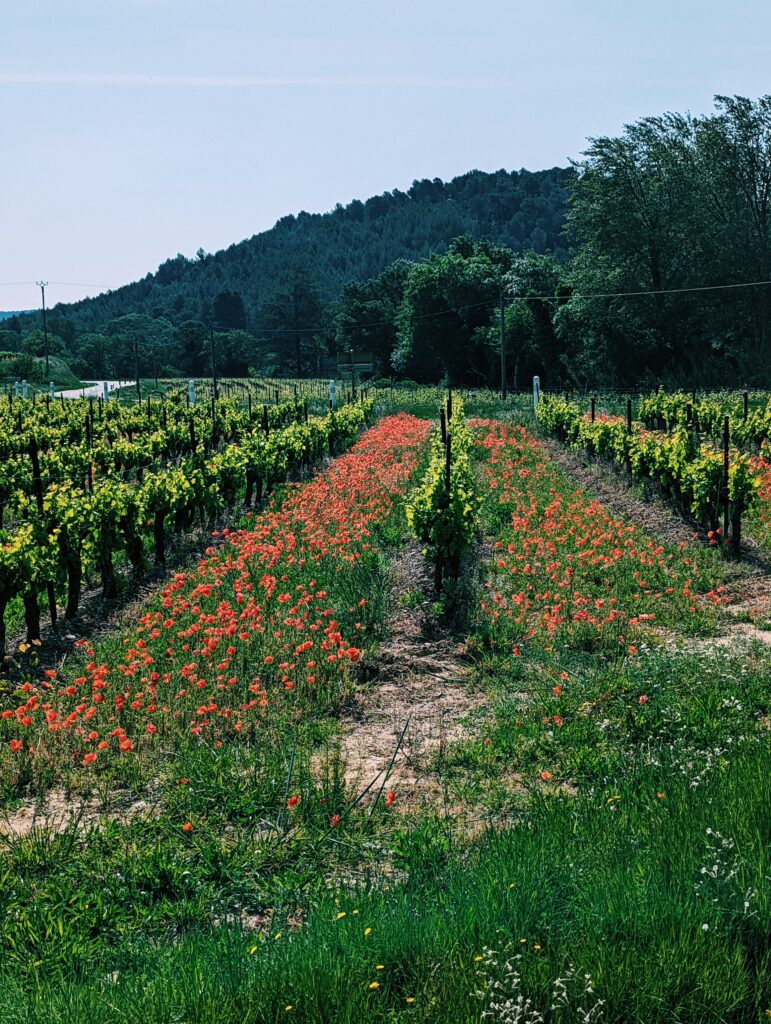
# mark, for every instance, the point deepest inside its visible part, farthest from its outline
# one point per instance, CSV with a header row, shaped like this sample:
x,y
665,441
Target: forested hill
x,y
520,209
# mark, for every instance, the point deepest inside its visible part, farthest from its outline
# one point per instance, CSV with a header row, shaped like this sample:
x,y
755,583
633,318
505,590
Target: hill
x,y
23,366
520,209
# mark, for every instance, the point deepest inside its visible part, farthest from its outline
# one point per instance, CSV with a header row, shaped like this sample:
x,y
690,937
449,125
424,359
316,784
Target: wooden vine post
x,y
31,610
726,501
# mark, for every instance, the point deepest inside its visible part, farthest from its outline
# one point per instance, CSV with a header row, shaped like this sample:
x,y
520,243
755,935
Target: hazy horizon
x,y
140,129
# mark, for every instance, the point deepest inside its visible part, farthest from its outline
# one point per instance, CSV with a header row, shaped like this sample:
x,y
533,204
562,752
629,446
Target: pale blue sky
x,y
134,129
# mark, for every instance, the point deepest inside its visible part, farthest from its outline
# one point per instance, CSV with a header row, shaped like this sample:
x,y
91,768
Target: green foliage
x,y
690,474
675,203
442,510
128,507
448,301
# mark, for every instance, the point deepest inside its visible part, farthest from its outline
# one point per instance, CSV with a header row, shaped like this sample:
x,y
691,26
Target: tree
x,y
291,325
538,282
235,352
733,159
140,344
228,310
91,359
675,208
191,340
366,316
447,306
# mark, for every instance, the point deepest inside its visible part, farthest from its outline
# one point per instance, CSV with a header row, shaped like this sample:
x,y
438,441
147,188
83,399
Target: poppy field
x,y
183,839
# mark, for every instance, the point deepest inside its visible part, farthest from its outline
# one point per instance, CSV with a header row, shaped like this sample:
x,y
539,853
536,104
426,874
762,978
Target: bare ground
x,y
57,811
419,693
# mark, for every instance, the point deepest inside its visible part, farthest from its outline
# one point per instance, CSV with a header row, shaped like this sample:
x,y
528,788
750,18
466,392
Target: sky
x,y
132,130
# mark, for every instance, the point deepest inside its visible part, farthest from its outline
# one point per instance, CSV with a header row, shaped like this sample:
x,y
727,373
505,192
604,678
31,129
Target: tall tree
x,y
140,344
228,310
292,327
733,157
447,306
366,316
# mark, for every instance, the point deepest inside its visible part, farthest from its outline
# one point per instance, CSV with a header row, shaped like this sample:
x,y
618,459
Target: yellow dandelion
x,y
477,959
513,885
277,936
536,946
253,949
410,999
379,967
374,984
288,1008
354,911
340,916
523,940
367,931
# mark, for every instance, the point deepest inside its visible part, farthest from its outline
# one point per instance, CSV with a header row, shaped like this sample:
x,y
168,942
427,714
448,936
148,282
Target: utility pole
x,y
136,368
503,346
213,369
42,286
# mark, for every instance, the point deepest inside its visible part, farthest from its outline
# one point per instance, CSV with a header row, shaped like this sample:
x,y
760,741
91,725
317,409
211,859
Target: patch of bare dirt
x,y
419,693
58,811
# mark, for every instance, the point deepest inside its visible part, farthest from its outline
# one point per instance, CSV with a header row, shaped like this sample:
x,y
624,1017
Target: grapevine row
x,y
750,428
79,443
69,530
690,474
442,511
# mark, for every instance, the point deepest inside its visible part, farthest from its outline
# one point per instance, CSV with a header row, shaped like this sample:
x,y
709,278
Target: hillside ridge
x,y
521,209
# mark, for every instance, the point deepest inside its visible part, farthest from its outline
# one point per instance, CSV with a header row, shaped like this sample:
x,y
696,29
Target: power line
x,y
528,298
476,305
61,284
656,291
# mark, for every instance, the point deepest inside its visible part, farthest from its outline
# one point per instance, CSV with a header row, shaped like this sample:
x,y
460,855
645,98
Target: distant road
x,y
95,390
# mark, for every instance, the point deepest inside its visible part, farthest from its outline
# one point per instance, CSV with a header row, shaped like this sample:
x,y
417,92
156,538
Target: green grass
x,y
616,890
611,818
59,372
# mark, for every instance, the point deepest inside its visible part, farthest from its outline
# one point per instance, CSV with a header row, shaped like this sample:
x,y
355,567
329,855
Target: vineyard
x,y
212,596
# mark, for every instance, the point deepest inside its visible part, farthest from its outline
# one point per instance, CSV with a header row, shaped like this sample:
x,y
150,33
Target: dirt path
x,y
89,390
419,689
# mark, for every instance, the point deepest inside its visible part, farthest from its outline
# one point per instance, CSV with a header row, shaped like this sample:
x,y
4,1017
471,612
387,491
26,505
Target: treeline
x,y
669,235
676,202
670,226
272,298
